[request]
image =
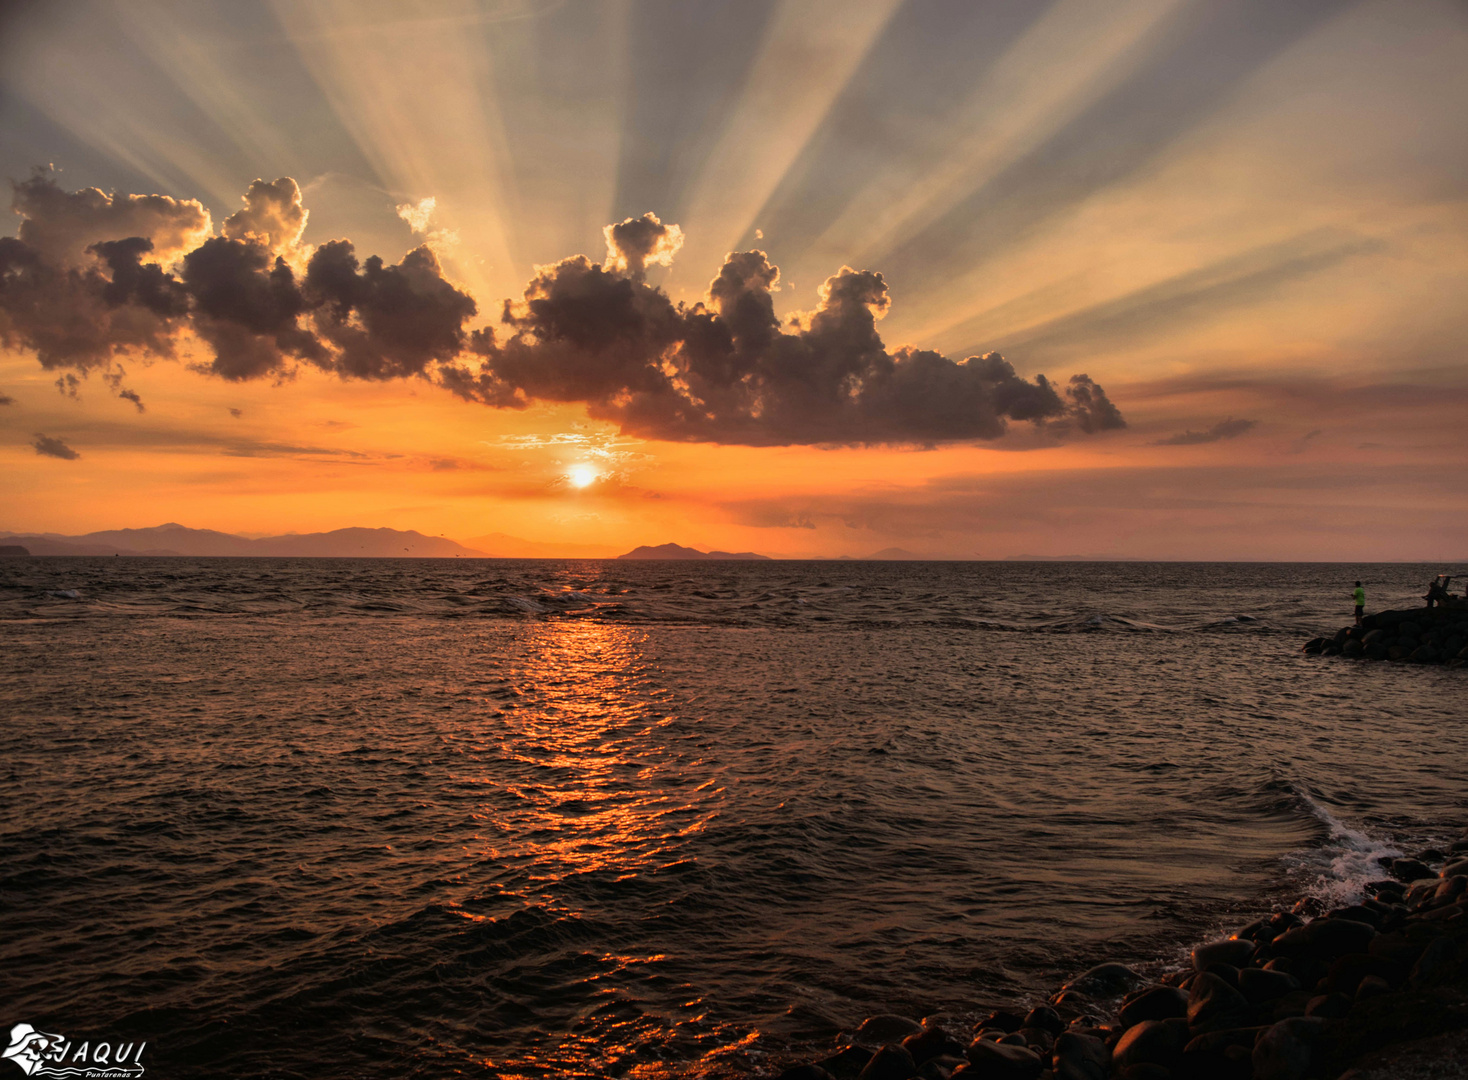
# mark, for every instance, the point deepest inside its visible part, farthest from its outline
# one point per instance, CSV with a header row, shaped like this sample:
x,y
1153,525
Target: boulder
x,y
805,1072
1105,981
1156,1042
1329,1006
1232,951
885,1028
847,1063
1080,1057
1283,1051
1213,1005
1046,1019
1444,960
889,1063
1001,1020
1259,986
932,1042
1324,940
1154,1003
1408,870
994,1061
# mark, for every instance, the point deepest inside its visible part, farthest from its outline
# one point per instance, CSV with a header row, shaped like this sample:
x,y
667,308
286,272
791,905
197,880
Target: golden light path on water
x,y
598,797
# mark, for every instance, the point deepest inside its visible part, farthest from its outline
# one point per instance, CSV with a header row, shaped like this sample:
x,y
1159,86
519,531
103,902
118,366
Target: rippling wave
x,y
357,818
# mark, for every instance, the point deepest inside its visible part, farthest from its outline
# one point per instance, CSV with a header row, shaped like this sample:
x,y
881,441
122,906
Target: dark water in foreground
x,y
417,819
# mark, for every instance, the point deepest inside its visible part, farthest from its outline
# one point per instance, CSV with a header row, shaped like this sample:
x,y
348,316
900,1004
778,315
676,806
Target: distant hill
x,y
174,539
503,546
678,551
894,554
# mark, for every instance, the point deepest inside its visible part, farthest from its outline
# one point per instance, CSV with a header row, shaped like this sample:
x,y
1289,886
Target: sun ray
x,y
811,50
414,85
1066,61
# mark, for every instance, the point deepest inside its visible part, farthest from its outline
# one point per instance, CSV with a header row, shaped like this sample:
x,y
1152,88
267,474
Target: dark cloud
x,y
725,370
6,399
236,413
637,243
1224,429
60,226
386,322
728,371
46,446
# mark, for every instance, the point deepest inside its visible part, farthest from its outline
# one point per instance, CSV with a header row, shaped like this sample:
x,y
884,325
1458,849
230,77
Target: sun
x,y
581,475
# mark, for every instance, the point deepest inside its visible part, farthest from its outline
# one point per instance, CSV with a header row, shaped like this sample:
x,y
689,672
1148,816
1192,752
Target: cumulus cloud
x,y
637,243
726,369
46,446
1224,429
273,216
418,214
60,226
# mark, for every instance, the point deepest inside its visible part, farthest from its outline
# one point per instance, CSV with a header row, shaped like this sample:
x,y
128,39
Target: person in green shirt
x,y
1359,595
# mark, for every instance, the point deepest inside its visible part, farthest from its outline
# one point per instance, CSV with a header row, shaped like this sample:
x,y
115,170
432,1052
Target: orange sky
x,y
1250,226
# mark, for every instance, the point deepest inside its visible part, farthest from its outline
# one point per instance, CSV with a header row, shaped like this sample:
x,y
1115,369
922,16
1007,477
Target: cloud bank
x,y
92,277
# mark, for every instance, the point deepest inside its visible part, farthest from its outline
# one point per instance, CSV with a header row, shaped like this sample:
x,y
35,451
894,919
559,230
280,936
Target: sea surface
x,y
498,818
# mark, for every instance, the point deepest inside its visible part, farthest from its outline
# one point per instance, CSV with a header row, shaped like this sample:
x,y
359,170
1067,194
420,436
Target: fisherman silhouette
x,y
1359,596
1437,592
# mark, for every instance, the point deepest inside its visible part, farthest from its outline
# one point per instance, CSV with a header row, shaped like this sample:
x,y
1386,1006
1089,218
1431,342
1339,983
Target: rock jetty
x,y
1437,635
1377,990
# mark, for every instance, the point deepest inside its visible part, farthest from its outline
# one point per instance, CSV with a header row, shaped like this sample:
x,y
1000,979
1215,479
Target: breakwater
x,y
1307,993
1436,635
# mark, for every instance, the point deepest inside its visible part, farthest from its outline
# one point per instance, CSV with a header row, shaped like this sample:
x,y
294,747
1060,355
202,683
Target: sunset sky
x,y
1231,235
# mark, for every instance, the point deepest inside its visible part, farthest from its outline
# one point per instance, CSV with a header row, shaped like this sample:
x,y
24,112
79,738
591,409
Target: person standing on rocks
x,y
1359,595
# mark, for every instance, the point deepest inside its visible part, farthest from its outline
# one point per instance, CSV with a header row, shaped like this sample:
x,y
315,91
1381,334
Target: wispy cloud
x,y
46,446
1224,429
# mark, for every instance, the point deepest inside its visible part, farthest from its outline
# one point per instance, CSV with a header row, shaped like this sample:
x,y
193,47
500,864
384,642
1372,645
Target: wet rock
x,y
1408,870
805,1072
1347,972
885,1028
1038,1039
1259,986
1156,1042
1155,1003
1003,1020
1074,1002
1045,1018
1445,959
1146,1071
1292,1004
1081,1057
1352,647
1324,940
932,1042
1372,986
1014,1038
1283,1052
847,1064
1358,913
941,1067
1106,981
994,1061
1329,1006
891,1062
1232,951
1213,1005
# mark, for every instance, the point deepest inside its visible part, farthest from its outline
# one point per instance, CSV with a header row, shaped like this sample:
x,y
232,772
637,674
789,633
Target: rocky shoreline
x,y
1374,991
1436,635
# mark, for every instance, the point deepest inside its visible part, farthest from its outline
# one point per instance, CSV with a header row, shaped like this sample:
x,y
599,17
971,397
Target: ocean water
x,y
342,818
